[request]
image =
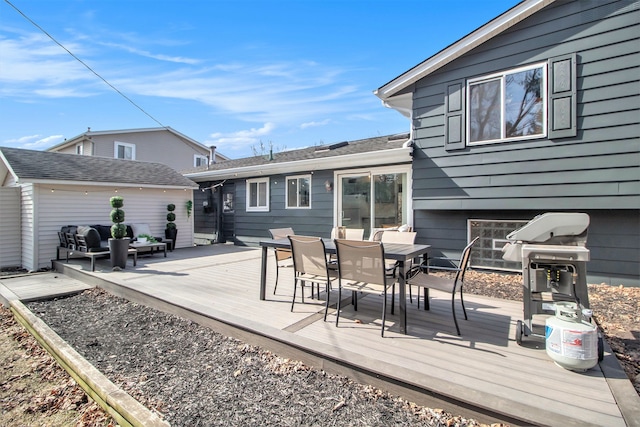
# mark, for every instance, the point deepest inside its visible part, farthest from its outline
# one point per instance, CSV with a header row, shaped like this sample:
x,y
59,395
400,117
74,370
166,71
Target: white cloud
x,y
315,124
239,140
35,142
160,57
284,93
32,63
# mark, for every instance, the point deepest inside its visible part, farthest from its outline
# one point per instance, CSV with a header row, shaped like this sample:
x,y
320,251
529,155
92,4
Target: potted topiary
x,y
171,232
119,243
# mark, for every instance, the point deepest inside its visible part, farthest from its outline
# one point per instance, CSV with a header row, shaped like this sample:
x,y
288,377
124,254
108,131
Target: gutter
x,y
105,184
371,158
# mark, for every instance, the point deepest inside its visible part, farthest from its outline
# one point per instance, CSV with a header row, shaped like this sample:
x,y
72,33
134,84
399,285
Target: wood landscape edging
x,y
121,406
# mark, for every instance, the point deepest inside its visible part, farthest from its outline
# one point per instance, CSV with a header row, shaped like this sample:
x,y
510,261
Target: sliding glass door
x,y
373,199
355,197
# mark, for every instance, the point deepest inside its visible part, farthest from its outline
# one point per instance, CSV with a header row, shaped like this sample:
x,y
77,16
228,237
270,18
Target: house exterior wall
x,y
27,226
251,227
87,205
11,247
596,171
157,146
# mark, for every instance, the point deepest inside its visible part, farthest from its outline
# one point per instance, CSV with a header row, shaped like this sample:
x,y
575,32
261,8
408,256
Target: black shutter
x,y
454,116
562,97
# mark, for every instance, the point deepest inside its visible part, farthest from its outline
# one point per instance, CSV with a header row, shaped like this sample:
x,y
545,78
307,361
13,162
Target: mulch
x,y
191,375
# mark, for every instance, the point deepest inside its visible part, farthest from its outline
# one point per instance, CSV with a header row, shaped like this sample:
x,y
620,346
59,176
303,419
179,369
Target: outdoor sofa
x,y
92,240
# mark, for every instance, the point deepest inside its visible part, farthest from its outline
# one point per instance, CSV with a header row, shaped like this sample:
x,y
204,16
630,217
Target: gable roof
x,y
474,39
30,166
381,150
90,133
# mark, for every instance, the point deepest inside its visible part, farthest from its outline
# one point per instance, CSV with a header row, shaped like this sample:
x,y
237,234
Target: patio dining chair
x,y
281,254
361,269
349,233
344,233
405,237
310,265
419,276
390,265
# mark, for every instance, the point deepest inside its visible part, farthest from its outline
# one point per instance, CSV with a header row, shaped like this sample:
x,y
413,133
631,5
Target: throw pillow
x,y
139,229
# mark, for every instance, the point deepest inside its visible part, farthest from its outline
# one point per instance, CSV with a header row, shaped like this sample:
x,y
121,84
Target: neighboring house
x,y
358,184
163,145
536,111
42,191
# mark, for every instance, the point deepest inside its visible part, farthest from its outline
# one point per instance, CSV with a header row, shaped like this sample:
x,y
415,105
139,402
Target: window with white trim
x,y
507,105
124,150
79,149
258,195
199,160
298,192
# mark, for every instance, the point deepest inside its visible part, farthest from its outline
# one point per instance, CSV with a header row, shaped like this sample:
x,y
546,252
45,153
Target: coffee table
x,y
152,247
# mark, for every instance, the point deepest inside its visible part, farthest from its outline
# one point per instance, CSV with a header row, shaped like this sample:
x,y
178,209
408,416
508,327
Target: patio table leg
x,y
263,274
403,296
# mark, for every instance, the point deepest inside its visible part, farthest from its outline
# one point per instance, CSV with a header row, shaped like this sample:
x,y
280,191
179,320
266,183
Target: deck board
x,y
47,285
483,367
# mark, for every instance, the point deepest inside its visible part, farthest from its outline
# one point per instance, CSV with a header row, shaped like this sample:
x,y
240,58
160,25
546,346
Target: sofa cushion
x,y
104,231
92,237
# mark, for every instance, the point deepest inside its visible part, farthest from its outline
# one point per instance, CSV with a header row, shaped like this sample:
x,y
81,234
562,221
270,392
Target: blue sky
x,y
229,73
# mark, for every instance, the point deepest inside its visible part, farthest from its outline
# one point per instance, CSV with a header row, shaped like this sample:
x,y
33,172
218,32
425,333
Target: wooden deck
x,y
482,374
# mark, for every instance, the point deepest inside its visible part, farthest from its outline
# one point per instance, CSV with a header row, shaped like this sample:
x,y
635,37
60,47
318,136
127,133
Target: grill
x,y
551,248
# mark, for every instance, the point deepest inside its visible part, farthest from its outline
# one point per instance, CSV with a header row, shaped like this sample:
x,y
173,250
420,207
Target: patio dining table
x,y
401,252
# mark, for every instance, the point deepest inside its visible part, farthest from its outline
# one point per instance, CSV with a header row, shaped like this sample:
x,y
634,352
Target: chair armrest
x,y
426,267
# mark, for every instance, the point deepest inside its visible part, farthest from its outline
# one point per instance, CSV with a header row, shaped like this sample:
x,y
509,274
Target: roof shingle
x,y
379,143
31,165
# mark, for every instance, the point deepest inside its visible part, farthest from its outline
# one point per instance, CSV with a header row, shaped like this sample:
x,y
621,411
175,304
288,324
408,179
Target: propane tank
x,y
571,341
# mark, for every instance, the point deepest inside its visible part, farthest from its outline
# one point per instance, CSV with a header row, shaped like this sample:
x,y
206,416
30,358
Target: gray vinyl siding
x,y
159,146
28,204
88,205
251,227
10,249
597,171
613,238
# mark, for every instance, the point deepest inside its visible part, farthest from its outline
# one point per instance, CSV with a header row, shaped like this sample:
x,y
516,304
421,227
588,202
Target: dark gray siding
x,y
251,227
596,171
612,239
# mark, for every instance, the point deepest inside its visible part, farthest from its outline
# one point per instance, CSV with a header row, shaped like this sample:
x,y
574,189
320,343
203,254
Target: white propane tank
x,y
571,342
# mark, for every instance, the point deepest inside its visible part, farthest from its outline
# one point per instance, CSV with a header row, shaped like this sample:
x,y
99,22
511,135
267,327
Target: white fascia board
x,y
67,142
496,26
401,103
104,184
372,158
6,168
